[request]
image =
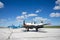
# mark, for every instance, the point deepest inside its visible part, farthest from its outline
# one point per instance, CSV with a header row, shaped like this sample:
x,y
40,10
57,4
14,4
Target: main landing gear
x,y
35,28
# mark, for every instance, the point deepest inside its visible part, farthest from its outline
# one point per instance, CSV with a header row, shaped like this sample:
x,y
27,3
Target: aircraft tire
x,y
27,29
36,29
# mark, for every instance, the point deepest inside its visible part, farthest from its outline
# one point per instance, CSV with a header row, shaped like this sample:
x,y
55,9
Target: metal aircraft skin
x,y
33,25
13,26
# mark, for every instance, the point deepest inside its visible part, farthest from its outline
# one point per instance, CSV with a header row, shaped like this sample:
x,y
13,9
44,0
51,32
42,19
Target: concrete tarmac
x,y
22,34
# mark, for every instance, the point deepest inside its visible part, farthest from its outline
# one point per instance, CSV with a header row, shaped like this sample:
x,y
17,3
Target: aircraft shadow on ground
x,y
35,31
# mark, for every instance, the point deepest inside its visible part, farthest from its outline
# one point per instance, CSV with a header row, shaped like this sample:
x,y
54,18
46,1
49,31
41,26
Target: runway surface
x,y
22,34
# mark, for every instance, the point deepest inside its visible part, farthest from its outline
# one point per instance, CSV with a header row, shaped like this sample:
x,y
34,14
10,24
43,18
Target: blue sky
x,y
15,11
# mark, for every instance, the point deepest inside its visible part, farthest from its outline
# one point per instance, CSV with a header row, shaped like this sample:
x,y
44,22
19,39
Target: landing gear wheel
x,y
27,29
36,29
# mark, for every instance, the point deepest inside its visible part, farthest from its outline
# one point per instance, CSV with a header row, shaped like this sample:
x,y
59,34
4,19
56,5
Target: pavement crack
x,y
9,35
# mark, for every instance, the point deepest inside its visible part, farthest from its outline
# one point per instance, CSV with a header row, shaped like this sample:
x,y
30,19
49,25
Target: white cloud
x,y
24,13
56,8
37,11
39,19
20,18
25,16
58,2
1,5
52,15
55,15
29,15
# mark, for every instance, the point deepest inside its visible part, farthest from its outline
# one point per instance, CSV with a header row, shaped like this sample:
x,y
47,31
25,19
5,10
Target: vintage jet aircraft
x,y
13,26
33,25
